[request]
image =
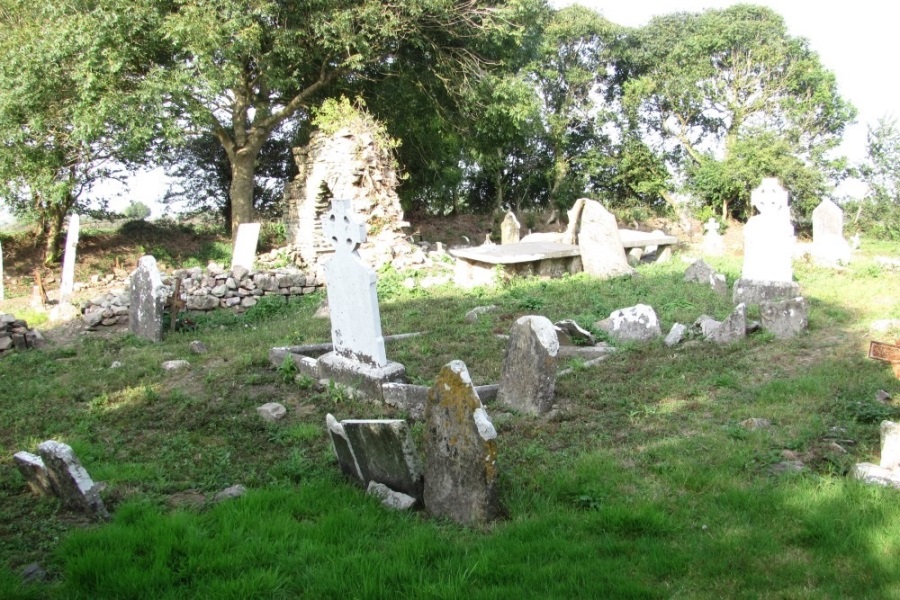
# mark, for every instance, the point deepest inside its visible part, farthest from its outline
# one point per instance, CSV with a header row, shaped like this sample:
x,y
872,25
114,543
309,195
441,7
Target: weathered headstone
x,y
713,243
509,229
245,246
784,318
829,246
67,284
359,358
148,298
602,252
528,377
385,453
768,248
700,272
637,323
460,451
35,473
732,329
70,481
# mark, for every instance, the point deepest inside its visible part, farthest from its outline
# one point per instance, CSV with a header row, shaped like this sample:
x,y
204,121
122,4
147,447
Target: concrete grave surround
x,y
379,450
829,247
768,248
460,451
785,318
713,242
148,300
528,376
245,246
70,481
602,252
67,284
509,229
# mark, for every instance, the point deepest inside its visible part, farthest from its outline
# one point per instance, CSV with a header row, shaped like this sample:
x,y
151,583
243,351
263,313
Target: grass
x,y
644,484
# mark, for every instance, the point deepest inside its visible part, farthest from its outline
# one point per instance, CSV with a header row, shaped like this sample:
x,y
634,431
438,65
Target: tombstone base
x,y
754,291
366,379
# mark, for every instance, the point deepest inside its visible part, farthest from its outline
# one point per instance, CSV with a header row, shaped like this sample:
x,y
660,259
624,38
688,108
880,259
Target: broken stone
x,y
148,298
476,312
198,347
528,377
870,473
732,329
342,450
390,498
785,318
676,334
271,411
175,365
460,451
70,481
633,324
788,466
573,333
35,473
229,493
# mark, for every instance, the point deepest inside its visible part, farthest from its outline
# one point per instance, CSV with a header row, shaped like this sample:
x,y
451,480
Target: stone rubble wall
x,y
15,335
204,290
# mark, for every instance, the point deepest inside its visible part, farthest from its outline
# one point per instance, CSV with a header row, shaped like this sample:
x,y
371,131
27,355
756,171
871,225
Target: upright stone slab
x,y
713,243
245,246
768,248
70,480
528,378
67,284
602,252
509,229
359,358
829,246
460,451
784,318
148,300
385,453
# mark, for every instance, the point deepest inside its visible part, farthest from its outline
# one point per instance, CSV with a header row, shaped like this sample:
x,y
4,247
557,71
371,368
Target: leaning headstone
x,y
32,468
67,284
384,452
829,247
732,329
148,299
637,323
768,248
713,242
70,480
602,253
509,229
358,358
245,246
341,446
785,318
528,377
460,451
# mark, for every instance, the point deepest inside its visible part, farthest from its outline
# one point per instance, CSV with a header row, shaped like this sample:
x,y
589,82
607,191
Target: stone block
x,y
753,292
364,378
70,481
32,468
390,498
528,376
785,318
637,323
732,329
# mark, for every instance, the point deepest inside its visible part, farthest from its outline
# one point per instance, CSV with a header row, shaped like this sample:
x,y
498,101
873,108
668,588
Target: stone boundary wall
x,y
16,335
204,290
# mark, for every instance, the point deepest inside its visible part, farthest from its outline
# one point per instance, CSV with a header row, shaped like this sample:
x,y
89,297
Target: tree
x,y
699,87
245,68
136,211
879,211
68,104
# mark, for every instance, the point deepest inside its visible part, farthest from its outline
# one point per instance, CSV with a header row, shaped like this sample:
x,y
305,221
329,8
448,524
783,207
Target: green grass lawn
x,y
643,484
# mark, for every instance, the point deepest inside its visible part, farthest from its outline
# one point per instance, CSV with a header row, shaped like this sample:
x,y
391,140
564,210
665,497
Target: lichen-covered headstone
x,y
602,252
528,377
67,284
768,248
460,451
829,247
245,246
70,480
148,300
385,453
784,318
509,229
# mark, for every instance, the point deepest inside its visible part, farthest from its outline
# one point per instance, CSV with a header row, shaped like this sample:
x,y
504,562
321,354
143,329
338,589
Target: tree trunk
x,y
53,232
243,170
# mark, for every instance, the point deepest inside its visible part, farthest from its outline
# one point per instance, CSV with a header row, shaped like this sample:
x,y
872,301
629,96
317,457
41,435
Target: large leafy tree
x,y
69,98
244,68
703,87
879,211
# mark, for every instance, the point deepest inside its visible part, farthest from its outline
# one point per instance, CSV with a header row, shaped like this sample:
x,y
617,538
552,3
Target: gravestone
x,y
70,481
713,243
784,318
700,272
245,246
768,248
637,323
382,450
732,329
887,472
358,359
460,451
509,229
602,252
32,468
67,284
829,247
528,377
148,299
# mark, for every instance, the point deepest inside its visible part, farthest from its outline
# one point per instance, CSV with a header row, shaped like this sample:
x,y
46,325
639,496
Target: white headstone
x,y
509,229
829,245
769,236
245,246
352,296
713,244
67,285
602,252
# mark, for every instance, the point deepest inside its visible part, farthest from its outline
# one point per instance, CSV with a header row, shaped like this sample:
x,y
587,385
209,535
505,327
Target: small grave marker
x,y
245,242
67,285
148,297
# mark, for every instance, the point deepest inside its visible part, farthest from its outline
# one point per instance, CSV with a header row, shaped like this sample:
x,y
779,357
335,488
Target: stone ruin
x,y
350,164
15,335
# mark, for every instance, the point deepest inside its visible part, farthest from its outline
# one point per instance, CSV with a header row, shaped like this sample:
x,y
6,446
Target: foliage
x,y
878,214
136,211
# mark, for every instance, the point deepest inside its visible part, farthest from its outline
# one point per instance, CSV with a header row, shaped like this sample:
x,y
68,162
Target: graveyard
x,y
710,467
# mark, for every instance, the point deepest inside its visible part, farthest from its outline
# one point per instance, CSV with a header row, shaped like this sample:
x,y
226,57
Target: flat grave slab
x,y
632,238
510,254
